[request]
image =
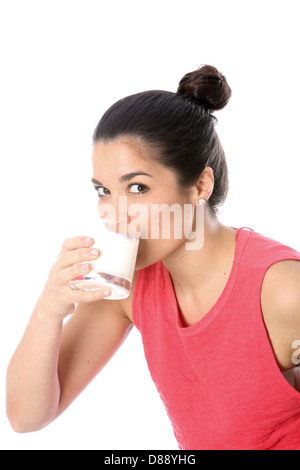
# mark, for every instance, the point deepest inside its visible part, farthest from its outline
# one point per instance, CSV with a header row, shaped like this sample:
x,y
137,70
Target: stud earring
x,y
202,202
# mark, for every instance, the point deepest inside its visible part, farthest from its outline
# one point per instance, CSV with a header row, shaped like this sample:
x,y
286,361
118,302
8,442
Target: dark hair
x,y
180,126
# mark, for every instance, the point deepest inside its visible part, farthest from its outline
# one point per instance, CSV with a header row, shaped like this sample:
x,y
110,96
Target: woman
x,y
220,324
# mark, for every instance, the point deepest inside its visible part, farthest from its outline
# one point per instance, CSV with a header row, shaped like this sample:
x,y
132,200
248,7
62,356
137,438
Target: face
x,y
124,170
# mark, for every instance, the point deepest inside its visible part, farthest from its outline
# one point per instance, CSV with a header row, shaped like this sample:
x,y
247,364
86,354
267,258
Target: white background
x,y
62,64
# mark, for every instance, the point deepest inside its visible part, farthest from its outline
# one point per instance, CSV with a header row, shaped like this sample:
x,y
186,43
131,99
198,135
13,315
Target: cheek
x,y
162,232
159,221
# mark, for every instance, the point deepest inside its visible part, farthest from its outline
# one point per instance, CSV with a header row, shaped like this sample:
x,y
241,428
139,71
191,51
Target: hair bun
x,y
206,86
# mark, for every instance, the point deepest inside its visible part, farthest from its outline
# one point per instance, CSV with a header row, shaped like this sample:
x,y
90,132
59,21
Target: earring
x,y
202,202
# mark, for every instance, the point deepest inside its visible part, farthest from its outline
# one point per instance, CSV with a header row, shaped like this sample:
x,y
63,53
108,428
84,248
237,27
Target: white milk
x,y
118,255
114,269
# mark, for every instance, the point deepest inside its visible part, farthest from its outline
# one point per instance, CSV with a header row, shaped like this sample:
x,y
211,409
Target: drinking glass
x,y
114,269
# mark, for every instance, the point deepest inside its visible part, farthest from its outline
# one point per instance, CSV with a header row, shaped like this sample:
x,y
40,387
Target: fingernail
x,y
84,267
106,292
94,251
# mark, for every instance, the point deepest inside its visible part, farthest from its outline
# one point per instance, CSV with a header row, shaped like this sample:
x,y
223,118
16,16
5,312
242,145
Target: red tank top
x,y
218,378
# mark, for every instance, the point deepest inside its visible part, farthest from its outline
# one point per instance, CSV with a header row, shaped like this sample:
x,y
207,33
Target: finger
x,y
76,242
72,272
80,255
78,296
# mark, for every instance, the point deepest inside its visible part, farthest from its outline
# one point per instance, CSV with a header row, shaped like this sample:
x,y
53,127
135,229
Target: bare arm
x,y
89,340
32,383
52,363
280,302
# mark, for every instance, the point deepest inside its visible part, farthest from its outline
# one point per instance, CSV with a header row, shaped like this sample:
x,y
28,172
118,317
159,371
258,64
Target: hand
x,y
58,299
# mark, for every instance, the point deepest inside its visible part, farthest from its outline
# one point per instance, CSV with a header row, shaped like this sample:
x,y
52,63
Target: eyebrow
x,y
125,177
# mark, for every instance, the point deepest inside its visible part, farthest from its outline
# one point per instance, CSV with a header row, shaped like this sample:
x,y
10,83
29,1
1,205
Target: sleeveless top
x,y
218,378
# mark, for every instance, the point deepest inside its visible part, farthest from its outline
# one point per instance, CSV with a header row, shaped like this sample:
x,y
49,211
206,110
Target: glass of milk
x,y
114,269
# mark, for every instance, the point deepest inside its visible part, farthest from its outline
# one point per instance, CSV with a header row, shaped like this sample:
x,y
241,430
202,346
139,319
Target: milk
x,y
118,255
114,269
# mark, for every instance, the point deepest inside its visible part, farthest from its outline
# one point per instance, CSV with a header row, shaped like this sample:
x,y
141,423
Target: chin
x,y
152,251
145,260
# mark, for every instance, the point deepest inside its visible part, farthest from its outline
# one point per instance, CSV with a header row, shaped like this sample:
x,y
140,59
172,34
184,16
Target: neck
x,y
192,269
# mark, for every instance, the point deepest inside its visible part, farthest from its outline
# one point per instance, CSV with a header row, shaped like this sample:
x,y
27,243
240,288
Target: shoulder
x,y
262,251
282,281
280,294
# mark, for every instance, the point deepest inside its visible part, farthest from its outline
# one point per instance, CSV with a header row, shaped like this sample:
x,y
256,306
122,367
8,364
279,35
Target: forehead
x,y
123,155
114,159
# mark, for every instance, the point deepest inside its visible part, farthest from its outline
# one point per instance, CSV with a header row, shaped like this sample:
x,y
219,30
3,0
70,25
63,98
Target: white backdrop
x,y
63,62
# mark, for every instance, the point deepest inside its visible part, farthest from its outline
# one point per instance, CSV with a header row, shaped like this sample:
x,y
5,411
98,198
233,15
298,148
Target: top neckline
x,y
241,238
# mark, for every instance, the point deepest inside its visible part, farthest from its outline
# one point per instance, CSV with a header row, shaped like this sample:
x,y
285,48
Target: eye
x,y
102,191
138,188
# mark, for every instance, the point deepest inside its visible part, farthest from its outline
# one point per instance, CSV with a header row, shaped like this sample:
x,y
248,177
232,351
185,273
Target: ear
x,y
204,185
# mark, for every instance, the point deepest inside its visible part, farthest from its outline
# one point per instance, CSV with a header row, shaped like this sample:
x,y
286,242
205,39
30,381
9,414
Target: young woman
x,y
220,324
